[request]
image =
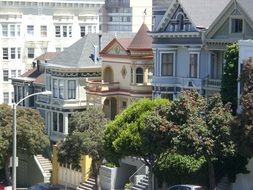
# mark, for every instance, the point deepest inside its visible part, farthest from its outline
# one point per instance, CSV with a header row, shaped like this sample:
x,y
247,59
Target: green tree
x,y
86,131
31,136
243,124
230,76
201,128
137,132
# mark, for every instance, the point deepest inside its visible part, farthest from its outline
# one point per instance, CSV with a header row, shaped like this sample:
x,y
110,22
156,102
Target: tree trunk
x,y
211,173
8,171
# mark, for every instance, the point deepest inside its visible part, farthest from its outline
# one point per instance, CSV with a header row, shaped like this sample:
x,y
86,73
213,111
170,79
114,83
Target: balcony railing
x,y
93,86
212,83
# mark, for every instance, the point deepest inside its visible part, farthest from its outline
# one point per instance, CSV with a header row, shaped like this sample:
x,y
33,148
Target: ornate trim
x,y
73,74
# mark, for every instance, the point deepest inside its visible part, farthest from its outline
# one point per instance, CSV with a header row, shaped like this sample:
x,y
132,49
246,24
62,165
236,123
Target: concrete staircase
x,y
142,184
87,185
46,166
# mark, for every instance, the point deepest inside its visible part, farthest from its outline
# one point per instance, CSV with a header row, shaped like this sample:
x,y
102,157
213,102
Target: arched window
x,y
180,18
139,75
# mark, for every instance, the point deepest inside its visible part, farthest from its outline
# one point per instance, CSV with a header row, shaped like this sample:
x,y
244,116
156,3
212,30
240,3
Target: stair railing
x,y
132,176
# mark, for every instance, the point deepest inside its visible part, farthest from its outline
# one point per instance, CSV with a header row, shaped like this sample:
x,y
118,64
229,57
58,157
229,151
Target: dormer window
x,y
180,19
236,25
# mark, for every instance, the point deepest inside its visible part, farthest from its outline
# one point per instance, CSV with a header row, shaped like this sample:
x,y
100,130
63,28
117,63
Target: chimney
x,y
99,42
34,64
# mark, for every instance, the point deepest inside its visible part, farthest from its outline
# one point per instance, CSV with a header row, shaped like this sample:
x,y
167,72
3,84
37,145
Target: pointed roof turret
x,y
141,41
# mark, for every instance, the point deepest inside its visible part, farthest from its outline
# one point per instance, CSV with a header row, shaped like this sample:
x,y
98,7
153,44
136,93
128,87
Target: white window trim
x,y
230,24
174,63
198,61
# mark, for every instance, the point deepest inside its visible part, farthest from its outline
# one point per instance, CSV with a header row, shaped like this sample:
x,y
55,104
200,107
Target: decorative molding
x,y
73,74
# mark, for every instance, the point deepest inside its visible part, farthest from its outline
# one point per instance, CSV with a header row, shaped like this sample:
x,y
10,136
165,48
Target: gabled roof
x,y
122,42
203,12
141,40
200,12
79,54
47,56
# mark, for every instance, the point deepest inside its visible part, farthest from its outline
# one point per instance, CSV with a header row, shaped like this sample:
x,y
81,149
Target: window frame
x,y
43,30
6,97
139,76
71,89
5,75
191,75
30,53
162,73
233,27
5,55
30,30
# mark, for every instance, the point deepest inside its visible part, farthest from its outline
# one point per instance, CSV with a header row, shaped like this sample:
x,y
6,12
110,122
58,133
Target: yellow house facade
x,y
127,68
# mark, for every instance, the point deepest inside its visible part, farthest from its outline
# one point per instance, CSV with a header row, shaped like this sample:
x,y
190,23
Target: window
x,y
180,18
55,88
64,29
13,73
43,31
5,53
71,89
13,53
19,73
132,75
57,31
6,97
236,25
5,30
61,122
167,64
89,29
82,31
19,50
18,30
5,75
139,75
12,30
30,30
70,31
61,89
30,53
150,75
193,65
55,121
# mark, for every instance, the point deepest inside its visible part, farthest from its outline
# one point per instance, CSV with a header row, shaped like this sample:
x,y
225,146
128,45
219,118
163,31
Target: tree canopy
x,y
230,76
136,132
201,127
31,136
86,131
243,125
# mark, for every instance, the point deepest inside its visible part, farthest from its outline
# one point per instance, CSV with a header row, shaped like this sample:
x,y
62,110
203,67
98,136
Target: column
x,y
65,123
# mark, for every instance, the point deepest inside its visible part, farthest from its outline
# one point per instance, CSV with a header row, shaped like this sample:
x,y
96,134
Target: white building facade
x,y
29,28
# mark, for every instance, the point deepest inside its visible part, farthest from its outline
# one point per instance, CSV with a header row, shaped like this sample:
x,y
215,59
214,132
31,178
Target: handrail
x,y
130,178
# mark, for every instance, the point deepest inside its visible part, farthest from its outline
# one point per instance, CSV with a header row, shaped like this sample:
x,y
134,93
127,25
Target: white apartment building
x,y
125,15
29,28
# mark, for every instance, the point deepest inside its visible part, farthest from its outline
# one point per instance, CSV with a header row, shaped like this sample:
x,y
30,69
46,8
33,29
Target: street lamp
x,y
14,146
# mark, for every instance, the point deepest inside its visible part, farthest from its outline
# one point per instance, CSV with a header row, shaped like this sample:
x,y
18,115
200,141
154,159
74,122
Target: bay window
x,y
71,89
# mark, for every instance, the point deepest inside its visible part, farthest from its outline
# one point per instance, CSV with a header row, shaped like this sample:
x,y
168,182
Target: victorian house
x,y
189,41
127,68
66,76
